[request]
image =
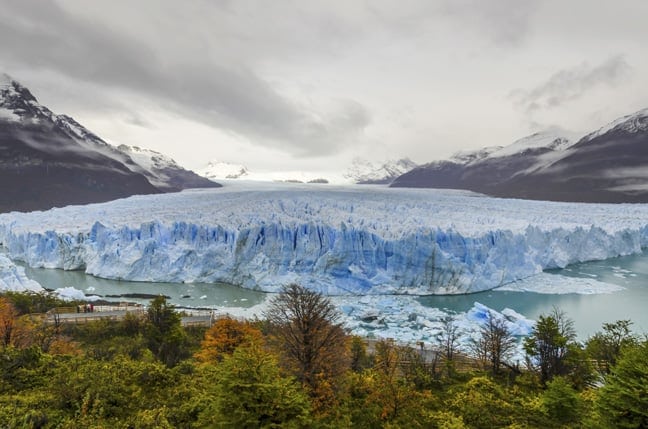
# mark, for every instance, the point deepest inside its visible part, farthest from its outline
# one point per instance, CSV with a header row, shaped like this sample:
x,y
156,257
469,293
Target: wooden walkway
x,y
103,312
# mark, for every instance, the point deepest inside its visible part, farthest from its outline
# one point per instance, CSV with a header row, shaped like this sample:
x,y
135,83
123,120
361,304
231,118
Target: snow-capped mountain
x,y
468,156
366,172
163,172
486,169
49,160
218,170
608,165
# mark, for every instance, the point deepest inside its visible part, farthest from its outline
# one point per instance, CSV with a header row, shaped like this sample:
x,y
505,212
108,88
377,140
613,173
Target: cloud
x,y
504,22
227,93
571,84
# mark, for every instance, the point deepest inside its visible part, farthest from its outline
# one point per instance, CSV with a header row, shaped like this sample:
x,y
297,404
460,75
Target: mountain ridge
x,y
49,160
606,166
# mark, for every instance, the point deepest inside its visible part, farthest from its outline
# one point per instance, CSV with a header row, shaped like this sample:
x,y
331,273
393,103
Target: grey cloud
x,y
571,84
227,95
505,22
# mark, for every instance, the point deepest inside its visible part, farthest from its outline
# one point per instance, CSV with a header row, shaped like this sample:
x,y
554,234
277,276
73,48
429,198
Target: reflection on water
x,y
589,312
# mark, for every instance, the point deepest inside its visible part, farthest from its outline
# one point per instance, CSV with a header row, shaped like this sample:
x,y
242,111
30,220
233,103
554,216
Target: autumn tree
x,y
309,336
360,360
225,336
8,316
391,391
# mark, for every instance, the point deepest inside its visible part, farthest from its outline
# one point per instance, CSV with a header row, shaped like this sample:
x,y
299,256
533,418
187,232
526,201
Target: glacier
x,y
13,277
337,240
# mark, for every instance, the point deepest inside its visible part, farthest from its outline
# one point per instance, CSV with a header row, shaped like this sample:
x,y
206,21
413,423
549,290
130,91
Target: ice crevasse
x,y
338,240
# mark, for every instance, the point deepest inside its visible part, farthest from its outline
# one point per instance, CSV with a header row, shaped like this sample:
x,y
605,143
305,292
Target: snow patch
x,y
547,139
218,170
632,123
364,171
8,115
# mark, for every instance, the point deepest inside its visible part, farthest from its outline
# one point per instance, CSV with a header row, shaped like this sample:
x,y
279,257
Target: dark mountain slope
x,y
607,166
49,160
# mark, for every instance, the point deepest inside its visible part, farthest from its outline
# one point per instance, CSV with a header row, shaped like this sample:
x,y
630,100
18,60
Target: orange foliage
x,y
8,315
64,346
224,337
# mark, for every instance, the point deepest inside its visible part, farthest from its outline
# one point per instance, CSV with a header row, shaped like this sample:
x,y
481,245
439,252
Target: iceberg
x,y
336,240
13,278
408,322
70,293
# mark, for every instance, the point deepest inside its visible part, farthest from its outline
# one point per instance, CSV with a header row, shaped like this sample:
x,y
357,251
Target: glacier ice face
x,y
13,278
338,240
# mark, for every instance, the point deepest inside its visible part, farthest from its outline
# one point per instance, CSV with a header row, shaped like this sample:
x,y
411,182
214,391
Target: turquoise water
x,y
589,312
218,295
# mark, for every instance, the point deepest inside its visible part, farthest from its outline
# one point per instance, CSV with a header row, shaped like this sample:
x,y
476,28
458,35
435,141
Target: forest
x,y
297,367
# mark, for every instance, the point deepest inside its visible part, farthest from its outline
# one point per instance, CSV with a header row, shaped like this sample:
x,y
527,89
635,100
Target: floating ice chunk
x,y
70,293
556,284
395,320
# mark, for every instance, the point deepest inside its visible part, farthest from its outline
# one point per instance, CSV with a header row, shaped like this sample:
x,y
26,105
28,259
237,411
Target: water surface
x,y
589,312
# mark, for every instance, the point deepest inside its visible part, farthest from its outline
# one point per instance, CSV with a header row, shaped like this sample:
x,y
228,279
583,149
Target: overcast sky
x,y
308,85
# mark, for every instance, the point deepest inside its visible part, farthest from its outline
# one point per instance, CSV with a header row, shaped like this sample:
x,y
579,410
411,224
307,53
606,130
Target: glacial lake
x,y
589,312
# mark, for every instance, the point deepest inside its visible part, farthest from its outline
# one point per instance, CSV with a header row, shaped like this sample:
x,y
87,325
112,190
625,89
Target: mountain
x,y
486,169
217,170
163,172
49,160
609,165
366,172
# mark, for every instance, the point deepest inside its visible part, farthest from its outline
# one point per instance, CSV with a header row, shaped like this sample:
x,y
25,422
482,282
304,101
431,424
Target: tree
x,y
449,341
548,345
359,358
166,338
8,316
496,343
561,402
391,391
481,403
310,337
605,347
623,400
225,336
249,392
